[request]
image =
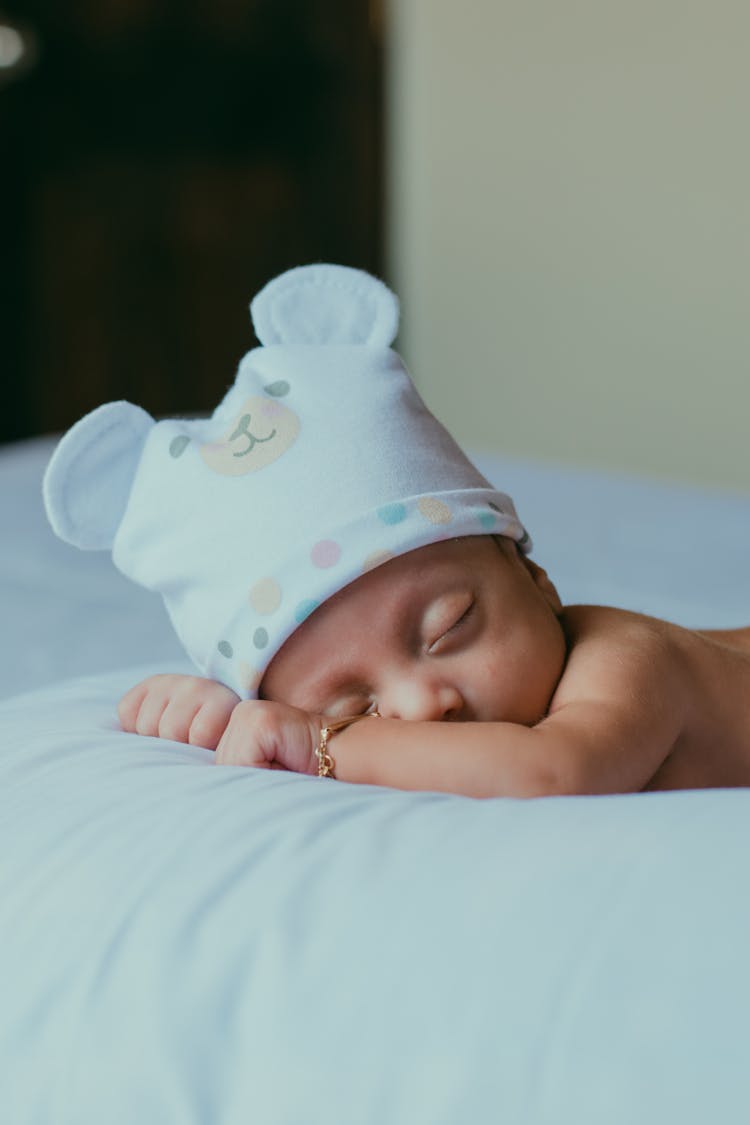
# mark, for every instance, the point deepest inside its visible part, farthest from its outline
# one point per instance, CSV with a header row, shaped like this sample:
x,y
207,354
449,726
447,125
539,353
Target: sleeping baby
x,y
351,587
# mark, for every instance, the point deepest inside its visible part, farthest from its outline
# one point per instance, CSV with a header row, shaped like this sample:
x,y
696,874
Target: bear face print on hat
x,y
321,462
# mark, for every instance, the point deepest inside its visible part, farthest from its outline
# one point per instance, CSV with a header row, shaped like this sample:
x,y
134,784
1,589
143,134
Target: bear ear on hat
x,y
325,305
88,480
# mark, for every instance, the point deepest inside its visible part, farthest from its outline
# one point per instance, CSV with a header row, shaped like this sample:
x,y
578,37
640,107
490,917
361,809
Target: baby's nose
x,y
421,700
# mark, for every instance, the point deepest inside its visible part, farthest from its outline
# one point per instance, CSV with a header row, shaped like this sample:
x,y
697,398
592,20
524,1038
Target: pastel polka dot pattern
x,y
487,519
225,649
325,553
178,445
265,596
260,638
392,513
304,609
376,558
434,510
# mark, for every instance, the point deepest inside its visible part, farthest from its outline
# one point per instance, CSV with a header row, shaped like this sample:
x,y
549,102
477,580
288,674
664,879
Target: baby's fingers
x,y
140,710
267,735
234,751
150,712
175,719
130,705
209,722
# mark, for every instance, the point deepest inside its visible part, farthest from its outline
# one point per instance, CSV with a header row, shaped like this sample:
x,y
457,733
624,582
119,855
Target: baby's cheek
x,y
505,688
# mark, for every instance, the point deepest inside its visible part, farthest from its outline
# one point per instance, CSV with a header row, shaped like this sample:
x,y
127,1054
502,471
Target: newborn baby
x,y
328,554
549,700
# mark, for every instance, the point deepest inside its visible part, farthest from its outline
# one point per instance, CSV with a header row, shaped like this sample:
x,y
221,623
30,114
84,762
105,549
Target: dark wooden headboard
x,y
161,160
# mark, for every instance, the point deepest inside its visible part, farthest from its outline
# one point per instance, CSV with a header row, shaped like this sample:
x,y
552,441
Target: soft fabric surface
x,y
185,943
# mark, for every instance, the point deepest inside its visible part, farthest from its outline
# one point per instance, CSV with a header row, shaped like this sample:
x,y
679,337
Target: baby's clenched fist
x,y
270,736
182,708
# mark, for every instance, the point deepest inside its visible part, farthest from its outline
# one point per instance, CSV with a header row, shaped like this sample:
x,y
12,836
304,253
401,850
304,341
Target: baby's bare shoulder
x,y
679,699
604,625
618,655
618,710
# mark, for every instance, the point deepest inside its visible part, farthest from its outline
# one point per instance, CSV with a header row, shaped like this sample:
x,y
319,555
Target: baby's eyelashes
x,y
446,620
350,705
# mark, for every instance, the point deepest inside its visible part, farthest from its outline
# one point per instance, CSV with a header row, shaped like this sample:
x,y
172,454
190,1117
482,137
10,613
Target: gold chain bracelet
x,y
326,764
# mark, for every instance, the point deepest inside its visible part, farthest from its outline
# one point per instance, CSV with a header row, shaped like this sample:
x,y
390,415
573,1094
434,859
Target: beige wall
x,y
570,227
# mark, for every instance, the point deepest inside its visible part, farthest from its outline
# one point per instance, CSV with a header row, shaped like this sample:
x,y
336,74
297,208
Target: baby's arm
x,y
583,748
182,708
588,747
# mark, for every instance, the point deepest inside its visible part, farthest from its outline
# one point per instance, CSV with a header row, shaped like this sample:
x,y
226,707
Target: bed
x,y
183,944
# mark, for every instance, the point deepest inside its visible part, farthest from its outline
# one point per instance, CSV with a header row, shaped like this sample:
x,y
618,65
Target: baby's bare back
x,y
655,670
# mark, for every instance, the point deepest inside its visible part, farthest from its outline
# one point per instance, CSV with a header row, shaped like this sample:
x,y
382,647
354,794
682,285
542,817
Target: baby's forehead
x,y
395,591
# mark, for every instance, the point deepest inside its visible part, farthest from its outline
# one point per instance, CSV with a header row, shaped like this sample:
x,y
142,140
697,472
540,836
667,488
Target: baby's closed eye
x,y
445,618
351,705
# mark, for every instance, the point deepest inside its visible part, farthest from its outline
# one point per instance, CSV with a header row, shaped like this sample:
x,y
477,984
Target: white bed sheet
x,y
187,945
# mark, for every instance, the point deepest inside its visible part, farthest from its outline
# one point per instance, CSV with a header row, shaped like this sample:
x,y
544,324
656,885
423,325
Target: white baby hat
x,y
320,463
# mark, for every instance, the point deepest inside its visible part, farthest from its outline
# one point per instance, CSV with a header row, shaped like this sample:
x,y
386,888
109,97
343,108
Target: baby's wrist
x,y
329,729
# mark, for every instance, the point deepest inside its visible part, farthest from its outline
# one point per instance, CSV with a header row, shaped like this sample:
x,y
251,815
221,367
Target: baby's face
x,y
464,630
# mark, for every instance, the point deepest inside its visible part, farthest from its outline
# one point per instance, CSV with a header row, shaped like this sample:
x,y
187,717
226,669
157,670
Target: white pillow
x,y
184,943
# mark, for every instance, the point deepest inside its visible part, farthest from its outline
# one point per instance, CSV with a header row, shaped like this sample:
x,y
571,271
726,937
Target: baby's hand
x,y
271,736
183,708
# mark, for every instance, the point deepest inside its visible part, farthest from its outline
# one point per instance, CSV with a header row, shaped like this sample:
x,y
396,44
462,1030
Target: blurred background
x,y
560,193
162,160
